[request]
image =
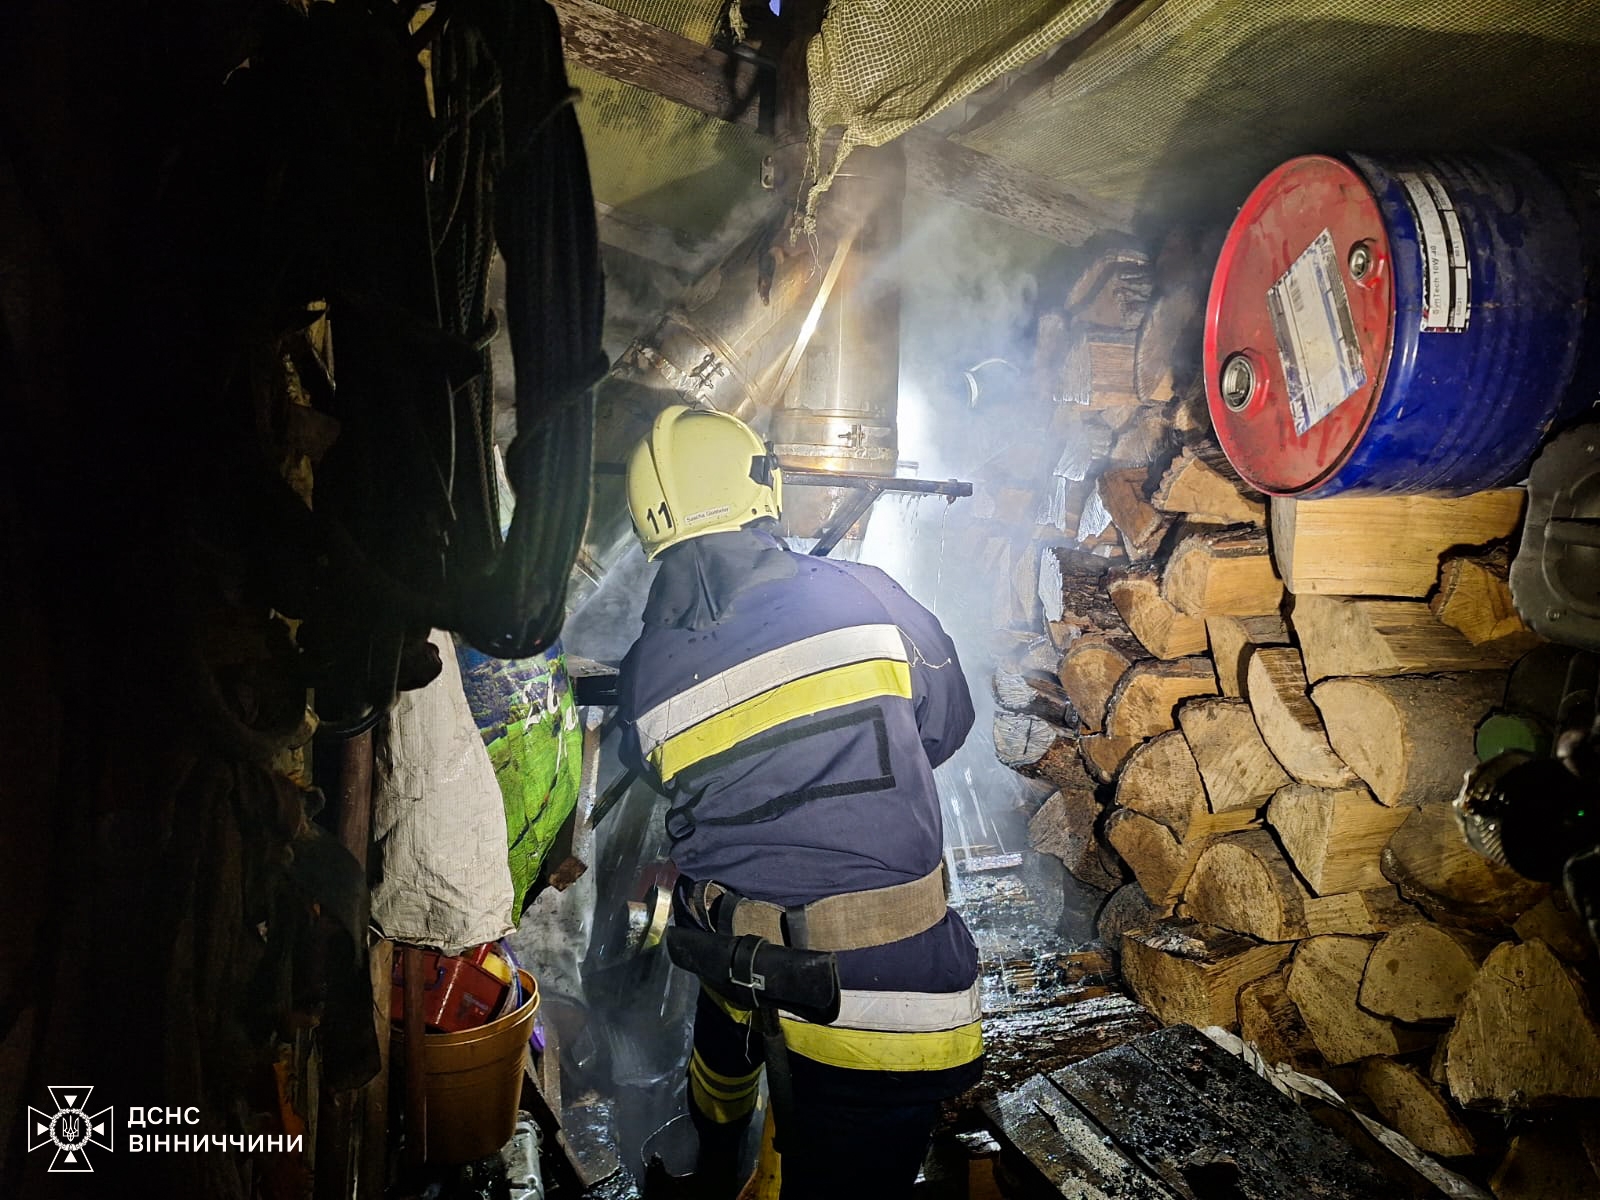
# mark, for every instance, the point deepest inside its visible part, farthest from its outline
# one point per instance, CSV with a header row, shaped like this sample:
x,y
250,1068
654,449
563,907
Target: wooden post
x,y
343,1118
416,1063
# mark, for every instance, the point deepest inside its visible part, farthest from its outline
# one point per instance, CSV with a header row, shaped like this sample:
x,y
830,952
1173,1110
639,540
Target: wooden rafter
x,y
735,88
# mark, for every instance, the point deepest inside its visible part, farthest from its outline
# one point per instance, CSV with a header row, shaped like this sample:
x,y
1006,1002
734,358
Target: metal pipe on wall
x,y
718,346
840,412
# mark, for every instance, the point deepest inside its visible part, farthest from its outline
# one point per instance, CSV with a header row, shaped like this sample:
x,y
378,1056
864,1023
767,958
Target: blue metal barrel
x,y
1401,326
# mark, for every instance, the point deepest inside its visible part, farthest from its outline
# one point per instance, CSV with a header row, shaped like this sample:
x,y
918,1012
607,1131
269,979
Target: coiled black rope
x,y
530,190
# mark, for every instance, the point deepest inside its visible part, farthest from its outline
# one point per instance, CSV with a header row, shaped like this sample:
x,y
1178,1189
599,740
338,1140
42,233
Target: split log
x,y
1414,1106
1554,923
995,566
1146,439
1243,882
1421,972
1085,439
1382,545
1126,908
1146,698
1090,671
1525,1036
1103,755
1071,591
1194,488
1549,1162
1160,862
1065,827
1383,637
1122,492
1189,973
1409,737
1031,695
1170,325
1238,769
1098,370
1275,684
1324,981
1023,591
1161,629
1118,275
1160,780
1033,656
1429,860
1225,572
1233,638
1063,505
1037,748
1474,598
1094,522
1360,914
1269,1020
1334,836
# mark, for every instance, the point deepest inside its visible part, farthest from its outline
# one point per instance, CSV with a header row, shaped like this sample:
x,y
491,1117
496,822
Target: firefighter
x,y
792,709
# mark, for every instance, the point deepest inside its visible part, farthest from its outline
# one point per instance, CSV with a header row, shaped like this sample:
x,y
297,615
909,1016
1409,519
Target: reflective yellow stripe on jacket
x,y
887,1031
813,675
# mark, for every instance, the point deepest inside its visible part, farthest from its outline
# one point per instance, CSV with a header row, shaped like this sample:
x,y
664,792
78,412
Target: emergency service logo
x,y
71,1129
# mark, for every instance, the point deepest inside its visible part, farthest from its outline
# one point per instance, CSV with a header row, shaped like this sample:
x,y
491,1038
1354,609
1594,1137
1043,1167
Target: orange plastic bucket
x,y
474,1082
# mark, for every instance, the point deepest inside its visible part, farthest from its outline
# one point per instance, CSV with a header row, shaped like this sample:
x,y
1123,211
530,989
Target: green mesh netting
x,y
879,67
665,163
1188,102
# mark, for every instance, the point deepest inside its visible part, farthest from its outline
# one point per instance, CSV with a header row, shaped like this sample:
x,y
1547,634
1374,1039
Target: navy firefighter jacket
x,y
792,708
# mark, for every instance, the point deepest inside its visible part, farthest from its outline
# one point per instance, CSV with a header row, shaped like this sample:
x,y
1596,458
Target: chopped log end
x,y
1090,671
1275,684
1554,1054
1226,572
1238,769
1334,836
1429,860
1324,982
1189,973
1231,640
1410,738
1065,828
1192,487
1421,972
1126,908
1243,883
1269,1020
1161,629
1415,1107
1146,699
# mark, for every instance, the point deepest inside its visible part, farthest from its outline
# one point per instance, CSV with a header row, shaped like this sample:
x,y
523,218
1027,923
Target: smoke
x,y
969,410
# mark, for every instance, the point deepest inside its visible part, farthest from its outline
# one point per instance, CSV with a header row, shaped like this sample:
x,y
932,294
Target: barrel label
x,y
1316,334
1446,271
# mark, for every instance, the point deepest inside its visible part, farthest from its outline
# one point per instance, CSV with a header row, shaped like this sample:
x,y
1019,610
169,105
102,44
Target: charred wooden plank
x,y
1206,1125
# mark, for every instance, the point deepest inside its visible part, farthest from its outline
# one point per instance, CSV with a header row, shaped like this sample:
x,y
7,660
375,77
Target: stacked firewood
x,y
1255,720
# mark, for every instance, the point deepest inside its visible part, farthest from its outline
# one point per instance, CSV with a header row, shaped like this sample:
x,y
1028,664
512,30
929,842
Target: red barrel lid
x,y
1299,324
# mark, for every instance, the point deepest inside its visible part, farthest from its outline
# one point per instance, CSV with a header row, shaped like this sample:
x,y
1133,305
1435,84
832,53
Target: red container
x,y
1405,326
457,994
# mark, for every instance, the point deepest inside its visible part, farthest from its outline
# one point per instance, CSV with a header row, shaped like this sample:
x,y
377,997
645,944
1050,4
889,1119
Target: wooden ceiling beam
x,y
738,89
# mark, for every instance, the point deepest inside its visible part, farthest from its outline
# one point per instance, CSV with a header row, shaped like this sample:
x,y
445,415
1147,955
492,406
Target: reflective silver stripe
x,y
836,648
906,1012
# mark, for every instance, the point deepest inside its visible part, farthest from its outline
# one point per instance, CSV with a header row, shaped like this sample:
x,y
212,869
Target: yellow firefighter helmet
x,y
699,472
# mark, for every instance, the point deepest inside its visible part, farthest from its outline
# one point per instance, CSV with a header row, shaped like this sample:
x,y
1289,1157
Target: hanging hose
x,y
505,69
